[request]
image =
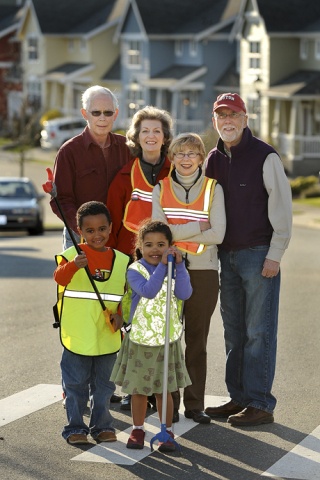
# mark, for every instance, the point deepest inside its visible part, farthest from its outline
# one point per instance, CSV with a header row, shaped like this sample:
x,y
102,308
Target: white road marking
x,y
28,401
118,453
302,463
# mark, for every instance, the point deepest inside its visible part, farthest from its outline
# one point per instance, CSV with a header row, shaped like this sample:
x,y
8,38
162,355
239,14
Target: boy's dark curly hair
x,y
92,208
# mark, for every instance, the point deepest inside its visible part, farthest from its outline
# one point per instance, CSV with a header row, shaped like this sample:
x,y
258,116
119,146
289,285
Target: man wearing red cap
x,y
259,219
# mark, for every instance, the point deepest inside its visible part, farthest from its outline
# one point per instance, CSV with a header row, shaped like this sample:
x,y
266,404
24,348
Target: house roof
x,y
290,15
64,70
176,72
184,16
9,17
230,78
72,16
299,83
114,72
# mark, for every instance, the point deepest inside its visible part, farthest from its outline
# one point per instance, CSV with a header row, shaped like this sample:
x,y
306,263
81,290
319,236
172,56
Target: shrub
x,y
300,184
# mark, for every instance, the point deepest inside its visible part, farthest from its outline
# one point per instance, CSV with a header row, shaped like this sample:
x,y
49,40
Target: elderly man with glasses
x,y
259,217
85,165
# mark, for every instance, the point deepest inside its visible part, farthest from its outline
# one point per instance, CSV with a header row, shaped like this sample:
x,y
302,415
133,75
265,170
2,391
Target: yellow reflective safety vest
x,y
178,212
83,327
139,206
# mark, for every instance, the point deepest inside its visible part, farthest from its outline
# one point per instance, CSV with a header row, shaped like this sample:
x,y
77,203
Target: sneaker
x,y
126,403
167,446
115,398
106,437
77,439
136,439
175,416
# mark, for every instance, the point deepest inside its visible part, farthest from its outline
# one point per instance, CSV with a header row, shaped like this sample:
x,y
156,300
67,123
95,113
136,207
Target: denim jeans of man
x,y
249,309
86,377
66,239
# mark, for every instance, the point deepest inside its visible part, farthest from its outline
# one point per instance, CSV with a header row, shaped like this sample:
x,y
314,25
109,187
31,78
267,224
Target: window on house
x,y
254,55
83,45
134,53
71,45
178,48
34,93
317,49
134,100
304,46
33,48
193,48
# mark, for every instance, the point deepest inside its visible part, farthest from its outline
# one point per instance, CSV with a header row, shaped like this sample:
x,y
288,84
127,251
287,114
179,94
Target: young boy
x,y
90,345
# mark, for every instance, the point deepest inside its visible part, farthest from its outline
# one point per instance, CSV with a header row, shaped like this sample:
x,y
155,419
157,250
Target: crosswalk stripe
x,y
118,453
302,462
28,401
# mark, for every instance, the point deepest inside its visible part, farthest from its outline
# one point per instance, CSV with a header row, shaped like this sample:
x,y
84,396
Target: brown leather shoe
x,y
106,436
223,411
251,416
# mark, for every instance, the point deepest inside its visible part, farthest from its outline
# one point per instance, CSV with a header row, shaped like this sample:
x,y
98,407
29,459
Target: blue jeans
x,y
86,377
249,309
66,239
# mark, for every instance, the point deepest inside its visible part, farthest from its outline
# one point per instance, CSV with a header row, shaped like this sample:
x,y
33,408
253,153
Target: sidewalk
x,y
306,215
37,160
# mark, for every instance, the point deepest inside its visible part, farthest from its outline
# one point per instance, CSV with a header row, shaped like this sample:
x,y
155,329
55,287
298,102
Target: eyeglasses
x,y
181,155
106,113
223,116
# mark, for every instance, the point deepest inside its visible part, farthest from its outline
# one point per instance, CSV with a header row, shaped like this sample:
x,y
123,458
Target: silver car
x,y
20,205
56,132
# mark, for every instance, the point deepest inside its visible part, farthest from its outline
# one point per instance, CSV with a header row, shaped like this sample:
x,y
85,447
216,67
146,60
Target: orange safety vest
x,y
178,212
139,207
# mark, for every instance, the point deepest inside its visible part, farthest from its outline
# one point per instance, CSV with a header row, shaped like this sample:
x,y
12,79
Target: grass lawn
x,y
314,202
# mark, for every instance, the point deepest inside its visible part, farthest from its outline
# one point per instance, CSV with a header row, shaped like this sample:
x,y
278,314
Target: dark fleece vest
x,y
246,198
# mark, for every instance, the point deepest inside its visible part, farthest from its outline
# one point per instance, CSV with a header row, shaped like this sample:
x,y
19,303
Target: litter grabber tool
x,y
163,435
50,187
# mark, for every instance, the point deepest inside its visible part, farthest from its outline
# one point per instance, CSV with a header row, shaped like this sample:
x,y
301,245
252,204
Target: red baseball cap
x,y
230,100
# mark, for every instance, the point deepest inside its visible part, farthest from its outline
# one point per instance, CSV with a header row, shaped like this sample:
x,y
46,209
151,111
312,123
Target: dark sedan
x,y
20,205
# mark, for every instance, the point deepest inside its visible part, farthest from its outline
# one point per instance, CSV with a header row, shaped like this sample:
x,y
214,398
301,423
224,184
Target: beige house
x,y
280,77
67,48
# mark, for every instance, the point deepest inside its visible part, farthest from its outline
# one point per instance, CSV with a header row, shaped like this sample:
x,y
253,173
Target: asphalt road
x,y
31,447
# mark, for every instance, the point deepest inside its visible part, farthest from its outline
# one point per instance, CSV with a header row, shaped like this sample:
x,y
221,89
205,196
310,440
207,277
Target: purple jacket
x,y
141,287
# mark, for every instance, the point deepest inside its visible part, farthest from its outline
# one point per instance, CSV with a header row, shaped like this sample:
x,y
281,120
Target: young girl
x,y
139,366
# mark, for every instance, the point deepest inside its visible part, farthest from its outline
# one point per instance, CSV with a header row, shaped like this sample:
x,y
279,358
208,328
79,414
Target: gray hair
x,y
94,91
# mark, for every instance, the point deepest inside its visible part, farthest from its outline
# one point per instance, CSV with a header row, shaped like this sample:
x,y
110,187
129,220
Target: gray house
x,y
173,54
280,77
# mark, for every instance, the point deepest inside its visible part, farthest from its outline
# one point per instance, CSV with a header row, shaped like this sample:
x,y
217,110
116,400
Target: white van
x,y
56,132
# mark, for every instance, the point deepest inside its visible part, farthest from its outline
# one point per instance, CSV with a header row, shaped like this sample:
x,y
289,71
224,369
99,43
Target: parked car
x,y
20,205
56,132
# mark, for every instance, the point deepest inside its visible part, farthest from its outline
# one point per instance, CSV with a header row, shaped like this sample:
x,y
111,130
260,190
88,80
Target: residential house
x,y
173,55
10,67
280,77
67,46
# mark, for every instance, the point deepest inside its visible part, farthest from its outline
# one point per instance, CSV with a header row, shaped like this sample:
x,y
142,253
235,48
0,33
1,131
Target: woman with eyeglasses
x,y
193,206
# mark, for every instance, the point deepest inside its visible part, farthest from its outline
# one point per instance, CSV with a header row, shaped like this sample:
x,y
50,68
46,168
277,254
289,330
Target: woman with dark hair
x,y
130,194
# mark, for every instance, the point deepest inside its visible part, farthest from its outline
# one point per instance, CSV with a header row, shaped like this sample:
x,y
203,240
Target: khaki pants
x,y
198,310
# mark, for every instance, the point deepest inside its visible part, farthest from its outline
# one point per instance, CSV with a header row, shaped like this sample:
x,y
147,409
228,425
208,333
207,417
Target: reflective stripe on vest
x,y
148,326
83,328
178,212
139,206
92,296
